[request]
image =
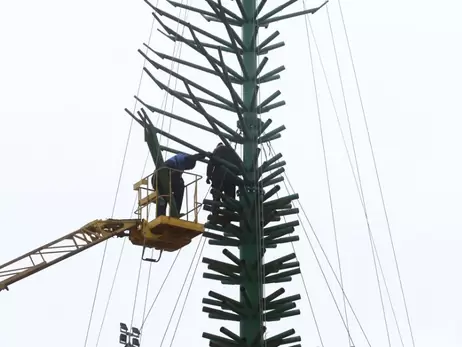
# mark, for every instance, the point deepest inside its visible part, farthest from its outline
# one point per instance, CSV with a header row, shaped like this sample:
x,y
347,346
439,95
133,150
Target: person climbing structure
x,y
216,173
173,169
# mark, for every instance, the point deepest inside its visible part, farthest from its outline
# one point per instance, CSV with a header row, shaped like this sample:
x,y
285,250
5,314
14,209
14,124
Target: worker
x,y
221,181
175,166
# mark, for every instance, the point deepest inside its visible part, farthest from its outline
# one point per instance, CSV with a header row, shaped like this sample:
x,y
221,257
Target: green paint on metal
x,y
150,136
251,251
256,209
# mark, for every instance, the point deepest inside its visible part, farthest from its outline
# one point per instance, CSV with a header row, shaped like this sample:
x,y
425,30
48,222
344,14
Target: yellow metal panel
x,y
166,233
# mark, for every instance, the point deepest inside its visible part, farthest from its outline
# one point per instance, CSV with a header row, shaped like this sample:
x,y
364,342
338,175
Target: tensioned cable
x,y
335,110
124,241
150,309
292,191
326,167
369,230
377,175
389,296
353,172
163,118
203,241
190,284
152,251
160,290
342,87
187,294
358,186
259,220
302,277
163,283
134,203
115,203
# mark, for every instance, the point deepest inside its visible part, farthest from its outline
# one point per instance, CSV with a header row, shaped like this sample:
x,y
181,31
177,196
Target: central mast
x,y
251,251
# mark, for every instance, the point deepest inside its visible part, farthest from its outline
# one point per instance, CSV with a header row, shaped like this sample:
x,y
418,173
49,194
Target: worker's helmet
x,y
220,144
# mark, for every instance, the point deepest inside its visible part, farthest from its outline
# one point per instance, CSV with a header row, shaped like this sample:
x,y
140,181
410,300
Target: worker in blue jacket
x,y
178,164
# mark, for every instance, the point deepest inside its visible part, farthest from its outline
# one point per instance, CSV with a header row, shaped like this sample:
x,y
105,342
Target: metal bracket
x,y
150,259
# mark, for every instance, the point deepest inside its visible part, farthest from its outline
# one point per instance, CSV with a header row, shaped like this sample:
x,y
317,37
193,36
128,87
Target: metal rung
x,y
143,182
148,199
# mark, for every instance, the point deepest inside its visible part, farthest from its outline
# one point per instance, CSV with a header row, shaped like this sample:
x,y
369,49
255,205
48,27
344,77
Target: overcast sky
x,y
68,70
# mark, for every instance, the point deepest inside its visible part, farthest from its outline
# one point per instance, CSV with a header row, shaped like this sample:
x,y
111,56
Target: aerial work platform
x,y
166,233
163,233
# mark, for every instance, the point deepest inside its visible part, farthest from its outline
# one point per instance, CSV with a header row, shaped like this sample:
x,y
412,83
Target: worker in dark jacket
x,y
175,166
216,173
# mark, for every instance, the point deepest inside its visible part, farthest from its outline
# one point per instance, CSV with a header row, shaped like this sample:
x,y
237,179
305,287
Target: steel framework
x,y
256,215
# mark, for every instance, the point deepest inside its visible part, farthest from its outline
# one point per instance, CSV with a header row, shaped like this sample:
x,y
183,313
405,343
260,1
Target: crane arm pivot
x,y
65,247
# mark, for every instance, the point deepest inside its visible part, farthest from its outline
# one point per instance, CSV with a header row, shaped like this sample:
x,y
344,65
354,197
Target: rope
x,y
377,175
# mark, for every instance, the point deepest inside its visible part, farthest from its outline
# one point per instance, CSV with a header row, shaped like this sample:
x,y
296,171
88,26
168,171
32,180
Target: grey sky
x,y
67,72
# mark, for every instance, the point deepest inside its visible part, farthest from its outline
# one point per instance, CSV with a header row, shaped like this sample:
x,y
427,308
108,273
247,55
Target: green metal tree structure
x,y
256,211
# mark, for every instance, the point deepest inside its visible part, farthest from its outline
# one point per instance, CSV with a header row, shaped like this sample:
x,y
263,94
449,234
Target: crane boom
x,y
65,247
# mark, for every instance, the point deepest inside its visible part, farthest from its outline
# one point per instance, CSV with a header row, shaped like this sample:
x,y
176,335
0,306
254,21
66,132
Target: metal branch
x,y
230,13
191,42
270,48
207,116
230,21
178,140
183,79
174,36
176,151
233,37
272,106
134,117
259,8
242,9
269,76
191,8
234,136
265,23
269,99
234,95
267,40
276,10
260,67
182,22
270,134
219,10
192,65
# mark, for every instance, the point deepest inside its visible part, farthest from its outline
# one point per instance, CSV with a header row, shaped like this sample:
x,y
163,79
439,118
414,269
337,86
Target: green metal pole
x,y
250,252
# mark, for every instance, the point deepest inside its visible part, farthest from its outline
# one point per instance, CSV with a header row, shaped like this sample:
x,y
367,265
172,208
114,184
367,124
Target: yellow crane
x,y
163,233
